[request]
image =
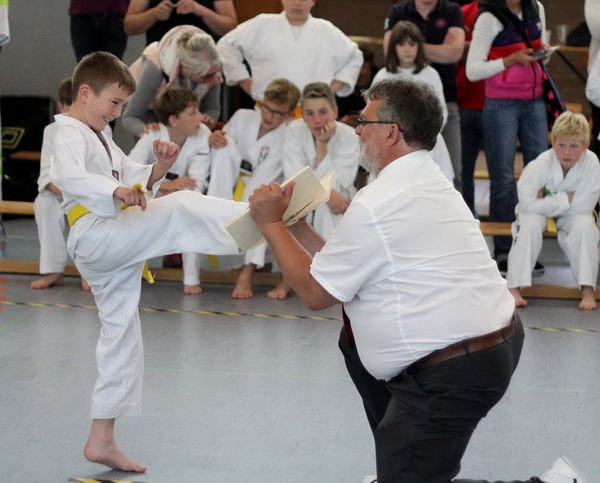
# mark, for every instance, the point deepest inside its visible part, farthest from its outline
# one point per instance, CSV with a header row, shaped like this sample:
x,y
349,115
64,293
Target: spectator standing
x,y
471,96
157,17
514,106
442,25
97,25
292,44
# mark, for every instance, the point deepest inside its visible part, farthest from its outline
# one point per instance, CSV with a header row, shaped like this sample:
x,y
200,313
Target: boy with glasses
x,y
246,154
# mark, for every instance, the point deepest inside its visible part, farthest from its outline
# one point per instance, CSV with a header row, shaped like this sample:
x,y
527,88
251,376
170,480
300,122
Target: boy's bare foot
x,y
519,300
243,284
280,292
588,298
84,285
48,280
110,455
101,448
192,289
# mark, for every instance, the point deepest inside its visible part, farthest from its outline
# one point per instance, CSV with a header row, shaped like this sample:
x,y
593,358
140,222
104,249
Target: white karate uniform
x,y
578,235
49,215
319,52
429,75
342,158
264,156
193,160
109,247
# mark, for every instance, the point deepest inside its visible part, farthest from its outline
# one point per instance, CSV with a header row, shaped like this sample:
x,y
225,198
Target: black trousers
x,y
93,34
423,422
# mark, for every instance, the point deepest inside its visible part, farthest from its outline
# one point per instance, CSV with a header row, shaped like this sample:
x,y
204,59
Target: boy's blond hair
x,y
571,125
65,92
319,90
282,91
173,101
99,70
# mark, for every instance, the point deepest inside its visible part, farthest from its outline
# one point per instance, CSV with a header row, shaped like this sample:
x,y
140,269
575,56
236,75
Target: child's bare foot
x,y
108,454
84,285
48,280
519,300
243,284
192,289
101,448
588,298
280,292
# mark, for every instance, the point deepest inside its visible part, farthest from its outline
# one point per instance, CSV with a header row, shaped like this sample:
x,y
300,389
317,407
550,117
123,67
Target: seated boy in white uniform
x,y
326,145
561,185
114,229
246,154
292,44
180,122
49,215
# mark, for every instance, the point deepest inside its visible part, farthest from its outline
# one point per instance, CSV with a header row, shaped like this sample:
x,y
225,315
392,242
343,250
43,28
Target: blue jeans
x,y
471,131
505,120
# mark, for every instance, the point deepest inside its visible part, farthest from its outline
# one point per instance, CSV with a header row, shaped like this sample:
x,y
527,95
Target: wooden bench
x,y
503,229
16,207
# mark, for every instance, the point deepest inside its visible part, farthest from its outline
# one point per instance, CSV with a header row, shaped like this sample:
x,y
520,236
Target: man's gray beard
x,y
368,160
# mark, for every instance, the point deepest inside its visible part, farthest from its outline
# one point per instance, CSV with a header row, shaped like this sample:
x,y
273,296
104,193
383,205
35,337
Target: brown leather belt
x,y
464,347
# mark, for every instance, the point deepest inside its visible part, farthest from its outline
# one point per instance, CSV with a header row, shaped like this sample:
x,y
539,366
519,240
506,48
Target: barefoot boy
x,y
180,122
114,230
49,215
326,145
247,153
562,183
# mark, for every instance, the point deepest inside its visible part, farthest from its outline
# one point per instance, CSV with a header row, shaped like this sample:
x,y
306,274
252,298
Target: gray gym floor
x,y
252,391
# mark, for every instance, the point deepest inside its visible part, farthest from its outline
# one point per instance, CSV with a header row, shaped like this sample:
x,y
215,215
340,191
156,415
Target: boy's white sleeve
x,y
535,177
232,52
349,62
342,159
143,151
68,172
294,155
587,192
46,156
199,167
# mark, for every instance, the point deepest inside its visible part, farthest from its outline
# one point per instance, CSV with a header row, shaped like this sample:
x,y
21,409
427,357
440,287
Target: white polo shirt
x,y
410,263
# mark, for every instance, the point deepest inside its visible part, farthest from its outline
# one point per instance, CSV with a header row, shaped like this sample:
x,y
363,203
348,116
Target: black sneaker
x,y
539,269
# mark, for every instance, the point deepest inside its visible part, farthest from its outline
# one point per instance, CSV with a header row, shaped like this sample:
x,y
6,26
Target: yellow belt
x,y
79,210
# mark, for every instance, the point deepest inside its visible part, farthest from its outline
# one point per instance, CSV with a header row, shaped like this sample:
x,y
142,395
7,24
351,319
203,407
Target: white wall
x,y
40,55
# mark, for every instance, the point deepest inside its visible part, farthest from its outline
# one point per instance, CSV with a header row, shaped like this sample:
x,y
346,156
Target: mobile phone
x,y
539,52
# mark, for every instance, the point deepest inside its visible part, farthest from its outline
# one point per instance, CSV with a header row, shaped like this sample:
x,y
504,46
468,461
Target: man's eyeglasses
x,y
267,110
363,122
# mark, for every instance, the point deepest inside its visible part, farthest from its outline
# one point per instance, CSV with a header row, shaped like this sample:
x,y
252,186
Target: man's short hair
x,y
571,125
65,92
99,70
319,90
282,91
411,104
173,101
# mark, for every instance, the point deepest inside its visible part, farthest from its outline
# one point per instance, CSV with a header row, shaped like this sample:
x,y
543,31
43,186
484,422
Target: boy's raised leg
x,y
101,448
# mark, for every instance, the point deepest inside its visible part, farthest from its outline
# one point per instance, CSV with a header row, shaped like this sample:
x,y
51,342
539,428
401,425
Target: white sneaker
x,y
370,479
562,471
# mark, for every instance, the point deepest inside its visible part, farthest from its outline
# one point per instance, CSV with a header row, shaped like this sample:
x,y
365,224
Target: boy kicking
x,y
562,183
114,229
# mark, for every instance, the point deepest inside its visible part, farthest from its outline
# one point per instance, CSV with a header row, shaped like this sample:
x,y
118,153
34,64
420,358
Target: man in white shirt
x,y
430,337
293,45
